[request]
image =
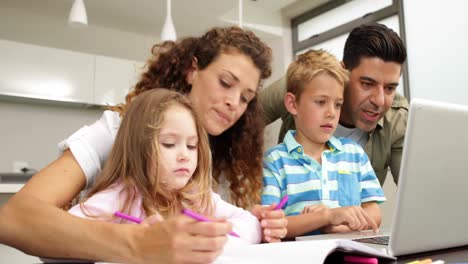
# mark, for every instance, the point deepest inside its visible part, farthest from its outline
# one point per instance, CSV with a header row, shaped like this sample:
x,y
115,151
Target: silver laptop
x,y
431,210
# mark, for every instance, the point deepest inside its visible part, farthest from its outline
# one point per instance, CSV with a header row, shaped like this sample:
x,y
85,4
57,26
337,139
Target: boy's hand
x,y
354,217
317,209
273,222
343,219
325,212
331,229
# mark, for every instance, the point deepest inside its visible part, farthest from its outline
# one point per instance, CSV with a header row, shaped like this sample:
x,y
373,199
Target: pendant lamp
x,y
240,13
168,30
78,15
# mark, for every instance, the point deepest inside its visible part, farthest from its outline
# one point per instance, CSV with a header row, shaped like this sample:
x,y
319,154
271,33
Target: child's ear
x,y
290,103
342,64
192,72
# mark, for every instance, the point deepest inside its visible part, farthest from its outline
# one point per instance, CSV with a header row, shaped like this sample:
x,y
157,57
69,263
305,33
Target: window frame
x,y
396,8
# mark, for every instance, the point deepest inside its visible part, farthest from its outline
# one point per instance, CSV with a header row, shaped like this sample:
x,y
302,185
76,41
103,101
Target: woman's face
x,y
221,91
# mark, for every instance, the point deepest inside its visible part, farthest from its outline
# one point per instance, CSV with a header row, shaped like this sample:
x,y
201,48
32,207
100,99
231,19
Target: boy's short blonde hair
x,y
310,64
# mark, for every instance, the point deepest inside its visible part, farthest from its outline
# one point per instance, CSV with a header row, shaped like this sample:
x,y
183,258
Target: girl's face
x,y
178,156
221,91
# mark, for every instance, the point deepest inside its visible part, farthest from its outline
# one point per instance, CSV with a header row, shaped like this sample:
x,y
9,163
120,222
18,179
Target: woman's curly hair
x,y
238,151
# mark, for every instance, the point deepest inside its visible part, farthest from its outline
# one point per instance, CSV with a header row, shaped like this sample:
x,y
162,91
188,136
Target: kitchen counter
x,y
14,177
10,187
12,182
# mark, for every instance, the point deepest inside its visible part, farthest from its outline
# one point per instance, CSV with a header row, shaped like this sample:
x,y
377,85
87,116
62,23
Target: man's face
x,y
372,86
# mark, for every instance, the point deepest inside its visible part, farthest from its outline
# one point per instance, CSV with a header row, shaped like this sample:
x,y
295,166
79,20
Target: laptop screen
x,y
431,208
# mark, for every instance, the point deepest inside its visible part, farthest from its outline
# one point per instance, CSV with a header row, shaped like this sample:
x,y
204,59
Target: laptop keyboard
x,y
381,240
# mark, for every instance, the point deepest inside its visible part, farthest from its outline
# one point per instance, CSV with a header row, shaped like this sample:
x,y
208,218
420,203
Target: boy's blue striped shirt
x,y
345,177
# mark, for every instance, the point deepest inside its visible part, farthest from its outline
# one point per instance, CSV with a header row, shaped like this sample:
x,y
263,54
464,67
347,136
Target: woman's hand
x,y
181,239
153,219
274,223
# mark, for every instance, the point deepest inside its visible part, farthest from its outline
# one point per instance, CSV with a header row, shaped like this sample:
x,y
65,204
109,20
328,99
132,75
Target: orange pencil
x,y
425,261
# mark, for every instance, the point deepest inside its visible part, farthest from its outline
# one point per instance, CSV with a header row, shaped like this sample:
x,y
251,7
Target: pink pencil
x,y
282,202
201,218
359,259
127,217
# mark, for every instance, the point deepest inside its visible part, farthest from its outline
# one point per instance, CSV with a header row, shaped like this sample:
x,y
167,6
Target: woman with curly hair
x,y
221,73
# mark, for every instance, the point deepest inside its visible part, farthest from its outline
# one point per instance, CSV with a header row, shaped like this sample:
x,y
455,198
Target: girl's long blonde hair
x,y
135,156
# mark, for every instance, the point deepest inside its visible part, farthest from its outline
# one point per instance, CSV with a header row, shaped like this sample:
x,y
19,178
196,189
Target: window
x,y
339,16
328,26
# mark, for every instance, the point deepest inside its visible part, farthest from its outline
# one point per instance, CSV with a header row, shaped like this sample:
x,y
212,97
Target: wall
x,y
30,132
437,55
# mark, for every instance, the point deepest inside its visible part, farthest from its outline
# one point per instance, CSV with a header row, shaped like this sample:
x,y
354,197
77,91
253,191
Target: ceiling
x,y
146,17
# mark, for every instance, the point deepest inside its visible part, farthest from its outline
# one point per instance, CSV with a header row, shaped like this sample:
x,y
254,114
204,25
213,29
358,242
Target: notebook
x,y
430,212
312,251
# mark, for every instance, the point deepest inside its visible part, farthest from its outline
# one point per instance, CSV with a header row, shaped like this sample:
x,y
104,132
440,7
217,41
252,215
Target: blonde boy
x,y
330,182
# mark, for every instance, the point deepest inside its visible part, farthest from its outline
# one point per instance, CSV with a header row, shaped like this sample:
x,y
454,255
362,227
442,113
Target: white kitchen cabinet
x,y
114,78
45,73
56,75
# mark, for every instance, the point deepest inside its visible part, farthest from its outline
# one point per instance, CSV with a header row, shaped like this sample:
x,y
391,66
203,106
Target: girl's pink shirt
x,y
105,203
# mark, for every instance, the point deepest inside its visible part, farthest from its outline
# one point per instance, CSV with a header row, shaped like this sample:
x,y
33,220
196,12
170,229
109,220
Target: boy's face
x,y
318,110
177,141
372,87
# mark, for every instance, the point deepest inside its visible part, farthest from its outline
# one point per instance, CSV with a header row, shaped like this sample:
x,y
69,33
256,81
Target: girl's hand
x,y
273,222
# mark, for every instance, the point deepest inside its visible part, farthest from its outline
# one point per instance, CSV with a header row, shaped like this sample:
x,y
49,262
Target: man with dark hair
x,y
373,114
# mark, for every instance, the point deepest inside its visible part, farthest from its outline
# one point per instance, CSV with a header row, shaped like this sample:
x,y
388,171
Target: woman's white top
x,y
91,145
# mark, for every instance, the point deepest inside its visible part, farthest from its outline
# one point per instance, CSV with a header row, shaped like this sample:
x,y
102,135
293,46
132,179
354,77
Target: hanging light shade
x,y
168,30
240,13
78,15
